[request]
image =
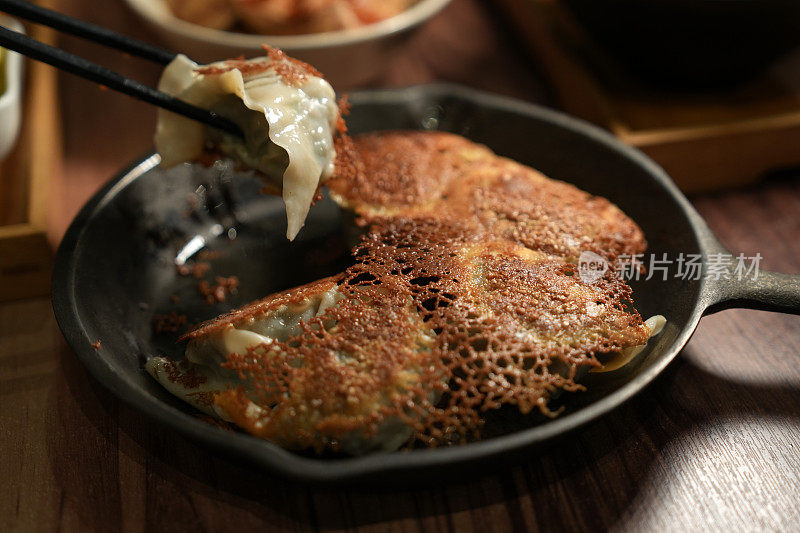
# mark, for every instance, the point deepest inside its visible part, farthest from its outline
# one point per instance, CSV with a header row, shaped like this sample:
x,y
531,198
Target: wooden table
x,y
714,443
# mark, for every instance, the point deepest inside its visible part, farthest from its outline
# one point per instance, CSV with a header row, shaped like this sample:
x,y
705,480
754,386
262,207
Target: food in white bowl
x,y
347,57
10,92
286,17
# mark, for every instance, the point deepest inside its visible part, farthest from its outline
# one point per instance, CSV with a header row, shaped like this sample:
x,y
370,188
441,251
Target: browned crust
x,y
292,71
506,318
441,175
396,170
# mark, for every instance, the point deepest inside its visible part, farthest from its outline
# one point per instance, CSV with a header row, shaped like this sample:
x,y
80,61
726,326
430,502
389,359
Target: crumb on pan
x,y
218,292
196,270
170,322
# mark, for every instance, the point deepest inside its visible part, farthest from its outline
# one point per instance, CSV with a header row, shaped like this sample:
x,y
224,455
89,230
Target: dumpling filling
x,y
286,110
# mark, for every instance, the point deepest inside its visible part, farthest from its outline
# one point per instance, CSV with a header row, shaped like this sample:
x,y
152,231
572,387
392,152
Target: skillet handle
x,y
770,291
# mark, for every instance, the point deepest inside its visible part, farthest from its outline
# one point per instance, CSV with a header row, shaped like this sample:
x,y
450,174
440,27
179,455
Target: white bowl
x,y
348,58
11,99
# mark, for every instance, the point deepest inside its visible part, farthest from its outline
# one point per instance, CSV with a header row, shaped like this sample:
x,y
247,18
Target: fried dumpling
x,y
514,326
322,366
287,111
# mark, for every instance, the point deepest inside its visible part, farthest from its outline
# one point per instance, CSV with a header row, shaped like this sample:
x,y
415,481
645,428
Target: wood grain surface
x,y
712,444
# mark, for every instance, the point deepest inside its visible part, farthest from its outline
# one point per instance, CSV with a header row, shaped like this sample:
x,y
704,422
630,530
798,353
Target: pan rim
x,y
322,471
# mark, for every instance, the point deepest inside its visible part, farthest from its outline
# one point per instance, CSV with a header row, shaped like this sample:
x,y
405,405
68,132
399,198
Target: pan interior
x,y
123,266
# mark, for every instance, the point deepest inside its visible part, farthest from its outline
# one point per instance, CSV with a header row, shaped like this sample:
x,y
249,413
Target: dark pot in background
x,y
691,43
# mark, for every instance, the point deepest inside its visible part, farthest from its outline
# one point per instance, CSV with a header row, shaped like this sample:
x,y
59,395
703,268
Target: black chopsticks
x,y
91,71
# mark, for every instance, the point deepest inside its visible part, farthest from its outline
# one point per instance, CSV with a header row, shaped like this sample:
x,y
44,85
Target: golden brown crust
x,y
512,325
397,170
292,71
413,174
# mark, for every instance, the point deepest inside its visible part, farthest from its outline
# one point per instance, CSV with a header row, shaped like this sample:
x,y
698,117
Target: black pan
x,y
115,270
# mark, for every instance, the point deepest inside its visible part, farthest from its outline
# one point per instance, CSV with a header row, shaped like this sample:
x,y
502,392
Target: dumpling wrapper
x,y
202,376
288,124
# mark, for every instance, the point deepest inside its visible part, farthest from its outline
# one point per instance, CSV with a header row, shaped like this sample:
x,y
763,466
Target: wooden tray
x,y
25,255
704,141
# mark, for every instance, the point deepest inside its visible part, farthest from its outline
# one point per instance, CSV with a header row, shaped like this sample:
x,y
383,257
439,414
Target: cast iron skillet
x,y
115,269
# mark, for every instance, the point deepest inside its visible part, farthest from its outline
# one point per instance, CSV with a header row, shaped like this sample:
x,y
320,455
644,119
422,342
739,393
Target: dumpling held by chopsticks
x,y
286,110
